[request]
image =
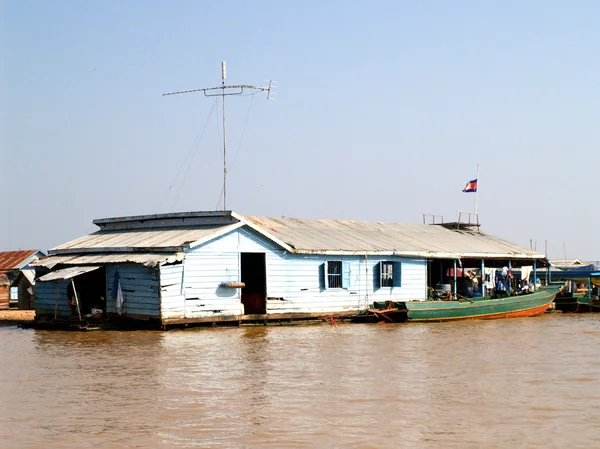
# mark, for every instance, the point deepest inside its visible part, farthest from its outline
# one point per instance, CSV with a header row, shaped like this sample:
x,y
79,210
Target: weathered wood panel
x,y
203,273
4,301
140,286
172,300
48,294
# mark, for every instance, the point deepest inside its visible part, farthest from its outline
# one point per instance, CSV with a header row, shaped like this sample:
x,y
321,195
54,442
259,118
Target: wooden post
x,y
76,299
455,292
508,278
482,278
56,304
534,275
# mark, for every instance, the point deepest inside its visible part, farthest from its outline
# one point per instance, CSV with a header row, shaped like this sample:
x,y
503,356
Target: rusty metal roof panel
x,y
348,236
11,260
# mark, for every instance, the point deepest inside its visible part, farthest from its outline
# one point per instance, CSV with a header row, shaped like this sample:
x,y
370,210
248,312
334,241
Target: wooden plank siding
x,y
203,275
141,290
172,301
47,294
297,282
294,281
192,289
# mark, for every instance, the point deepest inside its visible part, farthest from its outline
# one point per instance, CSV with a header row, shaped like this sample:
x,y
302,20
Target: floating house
x,y
17,278
214,267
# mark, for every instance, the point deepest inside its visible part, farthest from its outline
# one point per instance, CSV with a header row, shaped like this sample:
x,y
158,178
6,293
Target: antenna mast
x,y
225,91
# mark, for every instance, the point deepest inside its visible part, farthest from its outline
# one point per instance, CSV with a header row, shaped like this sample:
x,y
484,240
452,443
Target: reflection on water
x,y
521,382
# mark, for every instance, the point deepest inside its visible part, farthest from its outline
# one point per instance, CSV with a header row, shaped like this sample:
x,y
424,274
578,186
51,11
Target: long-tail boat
x,y
488,307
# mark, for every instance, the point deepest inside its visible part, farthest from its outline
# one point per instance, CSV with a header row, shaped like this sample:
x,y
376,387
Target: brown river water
x,y
525,382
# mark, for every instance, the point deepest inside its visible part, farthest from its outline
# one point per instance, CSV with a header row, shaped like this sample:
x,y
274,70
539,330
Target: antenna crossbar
x,y
223,92
241,89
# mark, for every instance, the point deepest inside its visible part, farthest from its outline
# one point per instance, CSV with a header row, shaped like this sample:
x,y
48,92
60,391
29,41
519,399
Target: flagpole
x,y
476,193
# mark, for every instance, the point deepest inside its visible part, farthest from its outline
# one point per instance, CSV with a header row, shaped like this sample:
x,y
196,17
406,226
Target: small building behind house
x,y
17,278
221,267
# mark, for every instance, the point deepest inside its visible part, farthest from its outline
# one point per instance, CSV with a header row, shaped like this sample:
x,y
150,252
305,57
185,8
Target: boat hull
x,y
585,304
566,303
485,308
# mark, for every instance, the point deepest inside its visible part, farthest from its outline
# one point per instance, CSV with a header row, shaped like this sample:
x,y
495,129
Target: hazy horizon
x,y
382,113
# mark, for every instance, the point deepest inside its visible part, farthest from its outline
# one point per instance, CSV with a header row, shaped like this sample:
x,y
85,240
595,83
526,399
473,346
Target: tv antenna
x,y
226,91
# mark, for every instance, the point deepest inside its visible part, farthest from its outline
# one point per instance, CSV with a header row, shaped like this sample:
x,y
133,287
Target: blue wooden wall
x,y
140,287
48,294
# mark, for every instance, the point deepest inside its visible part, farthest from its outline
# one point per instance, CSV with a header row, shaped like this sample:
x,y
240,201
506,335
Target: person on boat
x,y
525,287
468,287
503,280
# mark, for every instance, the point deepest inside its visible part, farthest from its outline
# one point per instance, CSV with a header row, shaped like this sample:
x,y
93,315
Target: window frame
x,y
386,274
341,274
331,275
393,274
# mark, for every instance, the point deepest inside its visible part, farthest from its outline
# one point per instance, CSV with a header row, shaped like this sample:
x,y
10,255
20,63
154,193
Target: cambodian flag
x,y
471,186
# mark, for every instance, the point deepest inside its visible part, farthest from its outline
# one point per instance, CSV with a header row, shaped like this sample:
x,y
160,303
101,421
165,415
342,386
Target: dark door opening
x,y
254,275
91,292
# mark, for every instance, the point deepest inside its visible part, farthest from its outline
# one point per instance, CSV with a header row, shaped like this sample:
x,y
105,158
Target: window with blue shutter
x,y
334,273
397,276
345,274
323,276
390,274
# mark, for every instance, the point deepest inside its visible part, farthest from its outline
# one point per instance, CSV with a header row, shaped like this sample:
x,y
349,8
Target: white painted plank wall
x,y
172,304
298,281
292,277
217,261
203,272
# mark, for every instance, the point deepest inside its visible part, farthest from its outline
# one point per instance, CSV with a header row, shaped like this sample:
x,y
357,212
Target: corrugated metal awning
x,y
67,273
146,259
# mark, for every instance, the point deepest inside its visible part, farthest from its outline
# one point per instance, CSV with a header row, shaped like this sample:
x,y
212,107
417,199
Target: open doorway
x,y
91,293
254,276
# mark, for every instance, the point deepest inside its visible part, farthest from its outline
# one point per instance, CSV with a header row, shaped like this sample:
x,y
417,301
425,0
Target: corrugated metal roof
x,y
141,240
293,234
147,259
66,273
11,260
361,237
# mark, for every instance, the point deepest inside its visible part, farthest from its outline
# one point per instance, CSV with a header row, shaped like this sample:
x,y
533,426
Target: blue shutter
x,y
377,276
397,275
345,274
323,276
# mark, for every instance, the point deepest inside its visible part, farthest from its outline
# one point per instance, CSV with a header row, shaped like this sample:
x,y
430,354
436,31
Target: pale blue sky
x,y
383,110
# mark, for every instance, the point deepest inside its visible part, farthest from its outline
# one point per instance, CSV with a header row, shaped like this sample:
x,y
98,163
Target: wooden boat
x,y
567,302
585,304
530,304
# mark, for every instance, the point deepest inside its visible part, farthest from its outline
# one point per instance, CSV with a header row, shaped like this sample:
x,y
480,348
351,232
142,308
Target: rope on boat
x,y
332,321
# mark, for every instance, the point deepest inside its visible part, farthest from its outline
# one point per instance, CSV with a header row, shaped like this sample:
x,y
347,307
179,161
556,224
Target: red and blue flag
x,y
471,186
